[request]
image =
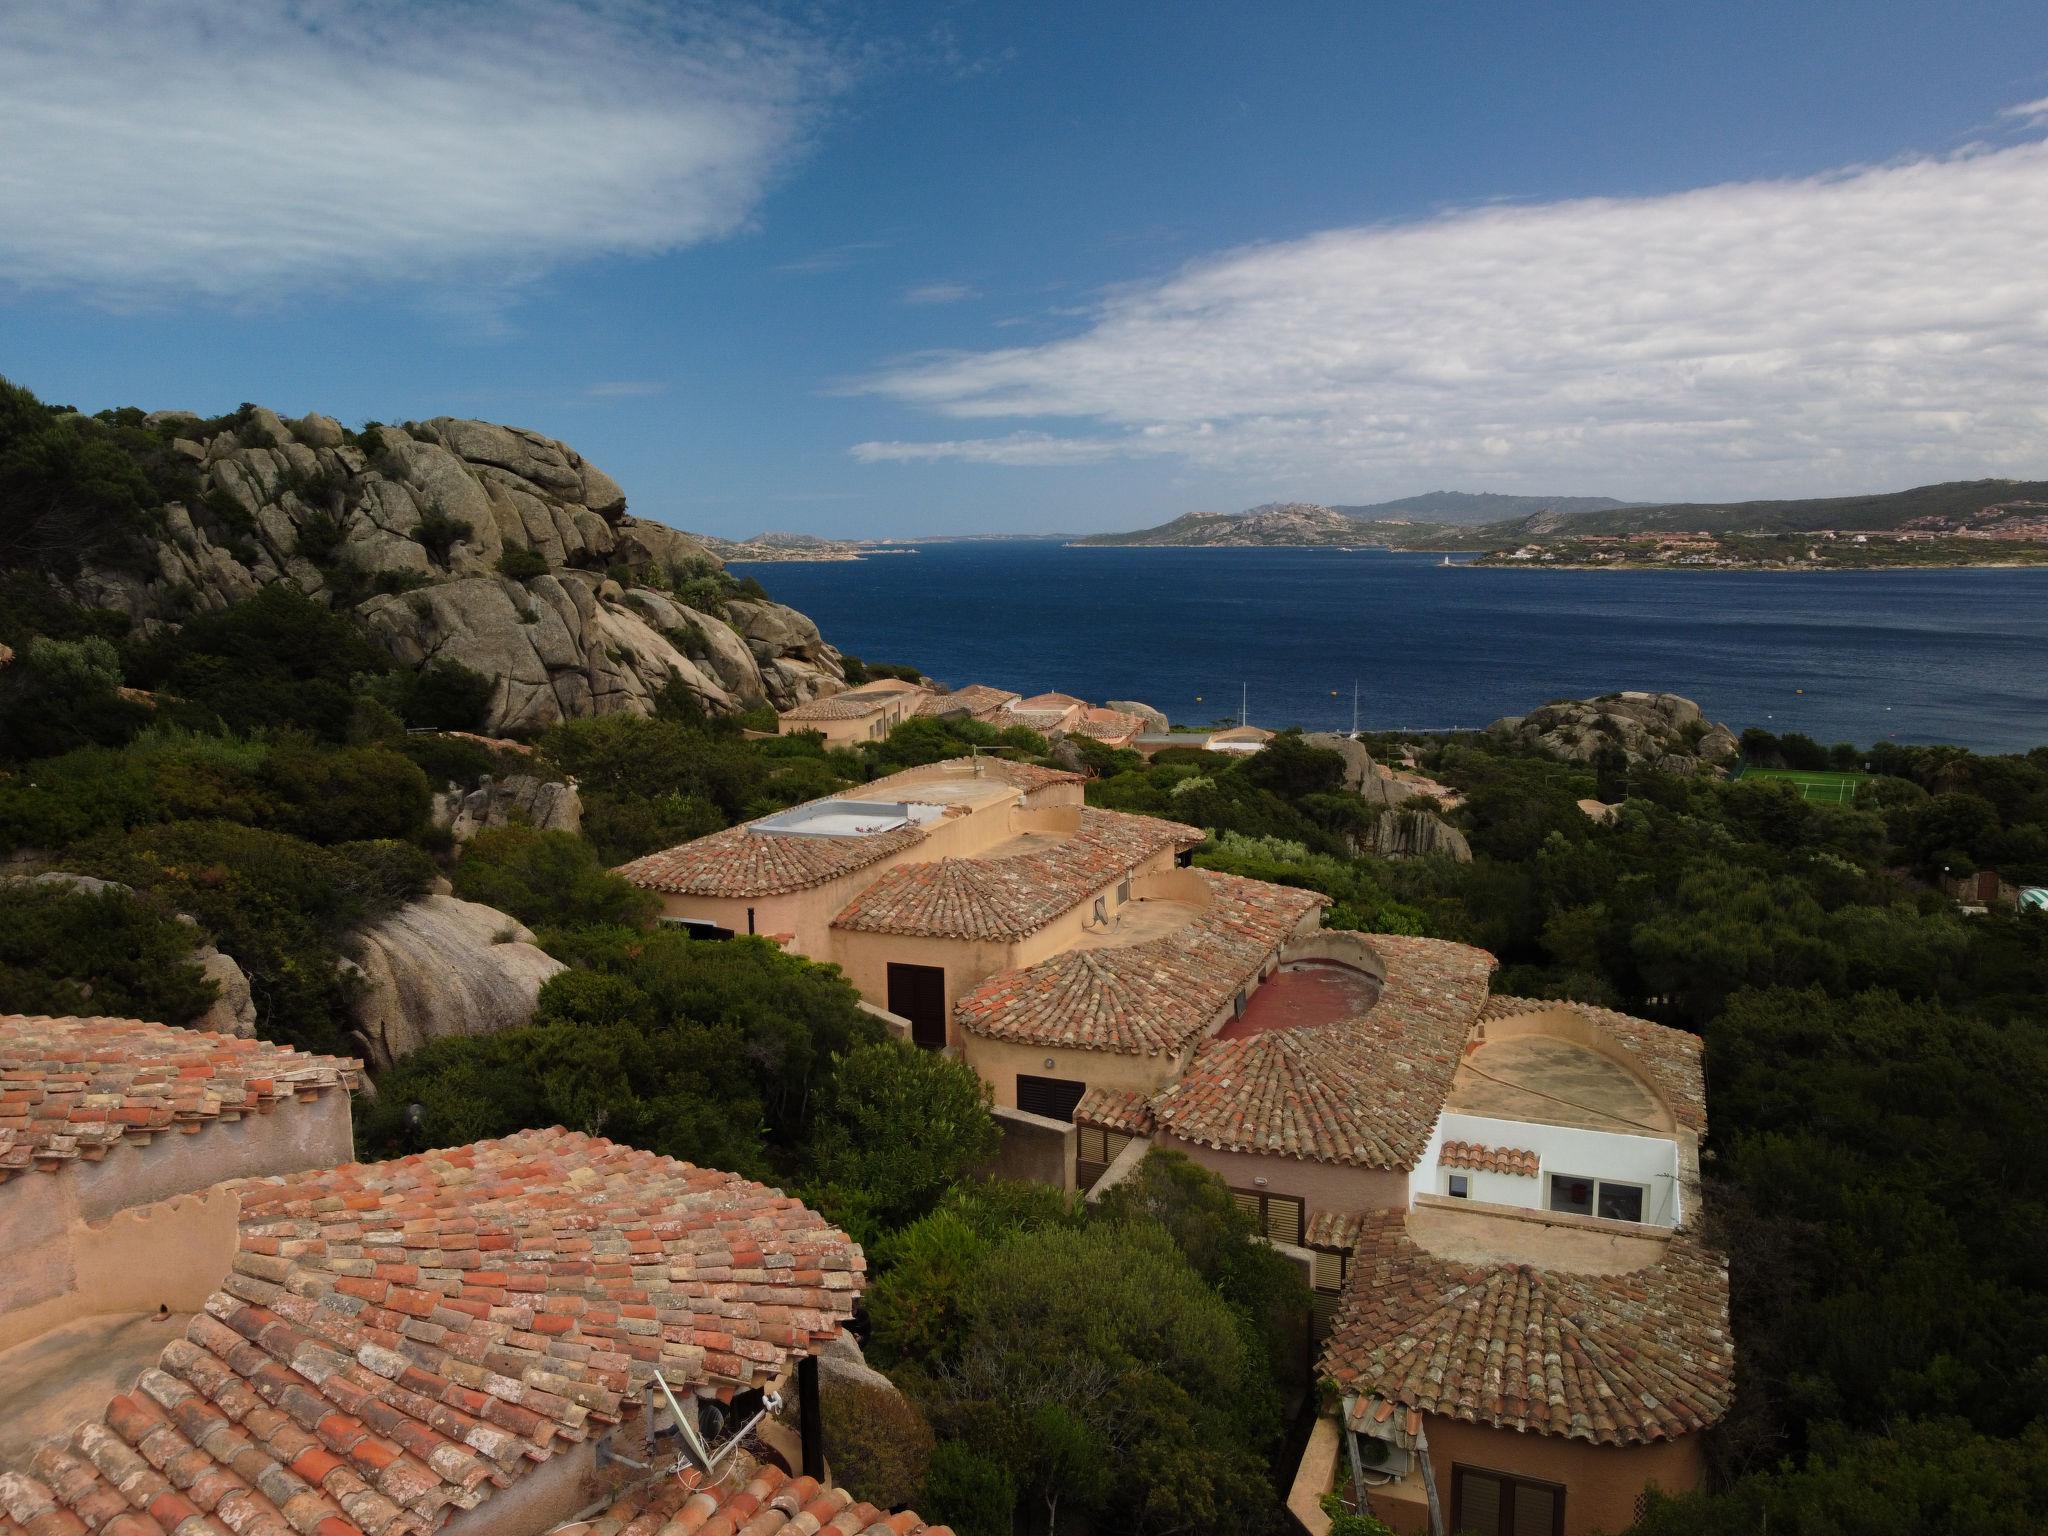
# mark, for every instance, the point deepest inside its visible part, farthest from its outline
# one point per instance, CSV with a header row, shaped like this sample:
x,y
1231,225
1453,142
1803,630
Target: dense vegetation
x,y
1877,1059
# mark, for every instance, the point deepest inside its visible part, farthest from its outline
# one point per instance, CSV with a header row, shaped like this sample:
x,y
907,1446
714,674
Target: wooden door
x,y
918,993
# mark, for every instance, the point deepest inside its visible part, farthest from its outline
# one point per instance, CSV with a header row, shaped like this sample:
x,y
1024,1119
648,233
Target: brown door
x,y
918,993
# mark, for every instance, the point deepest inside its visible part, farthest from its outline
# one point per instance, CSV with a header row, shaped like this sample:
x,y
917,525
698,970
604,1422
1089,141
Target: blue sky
x,y
916,268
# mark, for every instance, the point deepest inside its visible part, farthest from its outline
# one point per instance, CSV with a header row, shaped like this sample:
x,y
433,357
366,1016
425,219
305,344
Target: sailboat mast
x,y
1244,697
1354,706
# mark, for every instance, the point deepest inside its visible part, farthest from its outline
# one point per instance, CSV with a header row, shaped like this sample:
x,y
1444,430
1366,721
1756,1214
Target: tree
x,y
61,694
902,1125
65,950
545,878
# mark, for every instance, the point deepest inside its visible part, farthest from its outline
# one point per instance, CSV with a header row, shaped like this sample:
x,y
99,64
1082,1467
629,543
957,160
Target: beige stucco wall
x,y
1321,1186
144,1225
551,1492
999,1062
1601,1482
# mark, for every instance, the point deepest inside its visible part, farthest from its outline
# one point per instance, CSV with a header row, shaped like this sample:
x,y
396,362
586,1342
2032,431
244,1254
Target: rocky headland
x,y
491,546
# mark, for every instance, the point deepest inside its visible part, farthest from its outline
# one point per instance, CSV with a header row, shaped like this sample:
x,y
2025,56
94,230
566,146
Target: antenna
x,y
1244,695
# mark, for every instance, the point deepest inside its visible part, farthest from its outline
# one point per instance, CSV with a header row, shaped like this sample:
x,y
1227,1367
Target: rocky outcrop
x,y
439,966
491,546
1359,768
1417,835
518,797
1660,730
1155,719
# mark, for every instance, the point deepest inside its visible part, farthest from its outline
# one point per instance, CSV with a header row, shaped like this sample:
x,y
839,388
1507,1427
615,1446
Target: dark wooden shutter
x,y
918,993
1052,1097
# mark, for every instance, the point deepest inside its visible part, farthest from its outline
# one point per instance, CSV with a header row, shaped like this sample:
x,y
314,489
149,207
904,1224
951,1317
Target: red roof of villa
x,y
1150,998
765,1502
976,699
1108,725
1364,1092
1006,898
1615,1359
73,1088
1671,1059
1123,1110
397,1341
853,703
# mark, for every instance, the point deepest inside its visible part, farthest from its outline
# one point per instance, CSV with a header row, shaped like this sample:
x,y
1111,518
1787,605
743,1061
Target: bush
x,y
902,1125
70,951
347,794
968,1492
879,1443
439,533
60,694
521,563
548,878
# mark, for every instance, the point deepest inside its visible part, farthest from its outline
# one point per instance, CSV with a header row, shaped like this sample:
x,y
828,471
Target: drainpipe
x,y
810,1417
1436,1509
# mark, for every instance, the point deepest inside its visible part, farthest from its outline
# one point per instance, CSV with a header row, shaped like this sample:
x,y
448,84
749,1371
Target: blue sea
x,y
1913,656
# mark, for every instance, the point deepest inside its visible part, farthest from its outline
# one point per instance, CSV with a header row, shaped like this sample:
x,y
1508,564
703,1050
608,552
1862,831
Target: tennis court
x,y
1823,788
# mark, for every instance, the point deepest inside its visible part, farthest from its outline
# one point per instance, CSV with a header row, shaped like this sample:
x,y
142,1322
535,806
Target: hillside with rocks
x,y
490,546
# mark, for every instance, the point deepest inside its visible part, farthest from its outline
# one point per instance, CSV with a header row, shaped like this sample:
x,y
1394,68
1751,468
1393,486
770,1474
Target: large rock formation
x,y
439,966
1661,730
1417,835
541,803
495,547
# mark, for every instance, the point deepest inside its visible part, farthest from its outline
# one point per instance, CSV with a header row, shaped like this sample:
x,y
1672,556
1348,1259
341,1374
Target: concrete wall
x,y
144,1225
1035,1150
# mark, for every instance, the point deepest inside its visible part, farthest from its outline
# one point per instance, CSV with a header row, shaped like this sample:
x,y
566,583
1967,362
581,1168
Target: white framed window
x,y
1579,1194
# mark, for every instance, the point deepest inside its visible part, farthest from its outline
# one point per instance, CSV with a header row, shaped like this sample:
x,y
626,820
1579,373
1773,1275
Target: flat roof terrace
x,y
56,1381
1303,995
1555,1082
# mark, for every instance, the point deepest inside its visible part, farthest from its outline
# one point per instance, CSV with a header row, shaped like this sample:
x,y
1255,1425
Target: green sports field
x,y
1823,788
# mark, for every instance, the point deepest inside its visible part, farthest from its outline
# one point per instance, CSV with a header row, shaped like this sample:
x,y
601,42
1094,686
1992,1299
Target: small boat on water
x,y
1445,561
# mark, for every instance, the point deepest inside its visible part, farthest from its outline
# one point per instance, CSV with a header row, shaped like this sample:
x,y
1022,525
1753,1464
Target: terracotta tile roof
x,y
1145,999
853,703
976,699
1365,1091
1050,701
1671,1059
1024,776
739,862
761,1501
1470,1154
1043,721
1004,899
1108,725
1333,1231
72,1088
398,1340
1621,1359
1115,1109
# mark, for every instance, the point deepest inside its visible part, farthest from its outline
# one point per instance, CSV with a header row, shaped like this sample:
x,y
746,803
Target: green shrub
x,y
968,1492
881,1446
69,951
520,563
439,533
902,1125
548,879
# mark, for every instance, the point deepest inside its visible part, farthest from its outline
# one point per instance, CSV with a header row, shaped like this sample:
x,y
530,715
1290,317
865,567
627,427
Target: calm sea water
x,y
1915,656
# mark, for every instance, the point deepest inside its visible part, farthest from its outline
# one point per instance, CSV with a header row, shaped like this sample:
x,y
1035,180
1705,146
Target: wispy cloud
x,y
1858,329
835,258
938,293
625,389
257,147
2029,111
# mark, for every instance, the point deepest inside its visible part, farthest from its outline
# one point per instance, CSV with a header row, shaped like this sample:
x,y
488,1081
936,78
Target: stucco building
x,y
223,1327
867,713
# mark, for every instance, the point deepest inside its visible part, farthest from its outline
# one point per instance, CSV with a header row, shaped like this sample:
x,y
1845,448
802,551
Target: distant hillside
x,y
1289,524
1468,508
1952,504
780,546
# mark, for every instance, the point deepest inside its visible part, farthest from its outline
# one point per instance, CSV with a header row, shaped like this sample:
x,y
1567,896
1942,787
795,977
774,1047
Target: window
x,y
1094,1150
1123,892
918,993
1052,1097
1461,1186
1237,1005
1499,1504
1282,1218
1579,1195
1621,1202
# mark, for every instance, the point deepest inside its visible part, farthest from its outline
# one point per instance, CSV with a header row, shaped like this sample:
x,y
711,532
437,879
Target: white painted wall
x,y
1651,1161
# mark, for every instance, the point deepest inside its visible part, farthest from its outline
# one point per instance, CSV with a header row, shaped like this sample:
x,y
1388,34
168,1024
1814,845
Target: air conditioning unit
x,y
1382,1460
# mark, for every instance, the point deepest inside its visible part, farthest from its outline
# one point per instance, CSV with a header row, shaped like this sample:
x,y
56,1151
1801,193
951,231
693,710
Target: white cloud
x,y
2029,111
253,147
1856,330
938,293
